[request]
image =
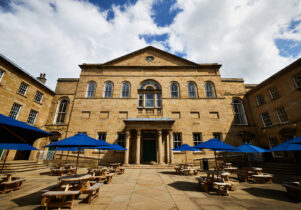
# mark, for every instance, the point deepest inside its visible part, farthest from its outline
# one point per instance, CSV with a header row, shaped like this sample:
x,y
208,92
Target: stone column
x,y
127,146
168,149
171,147
138,147
160,146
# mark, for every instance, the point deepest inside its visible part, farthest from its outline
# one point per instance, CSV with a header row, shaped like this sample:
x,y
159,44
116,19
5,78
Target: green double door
x,y
149,151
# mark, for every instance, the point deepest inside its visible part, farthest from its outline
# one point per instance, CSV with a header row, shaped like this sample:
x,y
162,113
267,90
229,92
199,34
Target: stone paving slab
x,y
154,189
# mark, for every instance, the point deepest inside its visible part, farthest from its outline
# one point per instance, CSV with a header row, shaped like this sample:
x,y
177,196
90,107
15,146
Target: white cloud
x,y
41,39
238,34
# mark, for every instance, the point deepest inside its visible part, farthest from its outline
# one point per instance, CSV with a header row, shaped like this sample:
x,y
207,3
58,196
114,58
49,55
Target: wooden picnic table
x,y
263,178
230,169
80,182
213,175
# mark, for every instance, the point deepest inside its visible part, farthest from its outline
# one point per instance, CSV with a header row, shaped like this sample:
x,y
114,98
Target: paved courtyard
x,y
154,189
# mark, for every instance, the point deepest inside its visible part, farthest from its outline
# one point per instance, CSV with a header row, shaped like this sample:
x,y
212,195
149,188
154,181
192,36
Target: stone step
x,y
21,166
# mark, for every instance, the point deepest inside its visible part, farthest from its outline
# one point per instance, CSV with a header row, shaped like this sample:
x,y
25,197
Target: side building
x,y
24,98
151,101
275,105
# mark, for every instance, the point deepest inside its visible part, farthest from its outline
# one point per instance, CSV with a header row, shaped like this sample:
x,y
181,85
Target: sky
x,y
252,39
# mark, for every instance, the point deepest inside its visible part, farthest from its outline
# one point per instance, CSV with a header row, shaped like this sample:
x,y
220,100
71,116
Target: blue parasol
x,y
215,145
14,146
185,147
14,131
80,140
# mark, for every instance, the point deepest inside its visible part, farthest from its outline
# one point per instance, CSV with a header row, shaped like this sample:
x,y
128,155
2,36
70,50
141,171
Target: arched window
x,y
108,90
174,90
239,112
61,111
125,90
91,90
192,90
150,95
210,91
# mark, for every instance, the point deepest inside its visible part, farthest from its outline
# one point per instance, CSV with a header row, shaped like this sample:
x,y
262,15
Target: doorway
x,y
149,147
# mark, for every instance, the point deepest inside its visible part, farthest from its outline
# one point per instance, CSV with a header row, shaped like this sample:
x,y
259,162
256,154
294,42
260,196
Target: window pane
x,y
177,139
108,90
191,90
23,88
14,111
121,139
1,74
32,117
174,90
159,101
197,138
38,97
209,88
239,112
149,101
61,113
266,119
260,100
140,102
91,90
125,90
281,115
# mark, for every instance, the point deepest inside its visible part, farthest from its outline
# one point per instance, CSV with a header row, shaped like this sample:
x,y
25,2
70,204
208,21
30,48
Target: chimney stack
x,y
42,78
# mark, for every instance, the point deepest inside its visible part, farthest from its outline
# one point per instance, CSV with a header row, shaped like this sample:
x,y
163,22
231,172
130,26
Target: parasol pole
x,y
67,156
186,157
77,160
4,161
215,159
98,156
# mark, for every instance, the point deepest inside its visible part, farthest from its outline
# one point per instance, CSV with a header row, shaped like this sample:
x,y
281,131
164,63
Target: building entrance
x,y
149,147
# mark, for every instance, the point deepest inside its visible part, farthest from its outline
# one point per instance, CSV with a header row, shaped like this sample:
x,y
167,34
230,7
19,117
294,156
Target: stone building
x,y
275,105
150,101
24,98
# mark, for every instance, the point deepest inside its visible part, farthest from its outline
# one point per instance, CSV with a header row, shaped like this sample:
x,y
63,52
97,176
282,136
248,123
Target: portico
x,y
148,140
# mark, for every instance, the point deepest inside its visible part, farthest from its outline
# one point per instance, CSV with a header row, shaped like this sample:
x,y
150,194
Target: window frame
x,y
273,144
189,90
263,120
13,114
23,88
177,139
274,94
211,86
297,80
220,134
33,114
241,112
260,102
41,94
1,75
108,91
200,140
281,115
174,93
57,113
124,84
89,91
123,139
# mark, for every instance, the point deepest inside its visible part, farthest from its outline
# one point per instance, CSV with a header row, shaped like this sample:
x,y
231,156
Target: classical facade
x,y
150,101
24,98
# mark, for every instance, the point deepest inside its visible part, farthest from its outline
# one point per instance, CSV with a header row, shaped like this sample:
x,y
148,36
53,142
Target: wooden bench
x,y
57,172
93,191
223,187
58,199
293,191
109,177
263,178
121,170
204,184
242,175
11,185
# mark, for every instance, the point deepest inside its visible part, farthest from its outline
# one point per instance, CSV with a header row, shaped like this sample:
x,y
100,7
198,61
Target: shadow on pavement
x,y
185,186
27,200
168,172
269,193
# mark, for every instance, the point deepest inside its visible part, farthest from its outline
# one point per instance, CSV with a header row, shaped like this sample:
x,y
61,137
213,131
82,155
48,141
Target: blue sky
x,y
251,39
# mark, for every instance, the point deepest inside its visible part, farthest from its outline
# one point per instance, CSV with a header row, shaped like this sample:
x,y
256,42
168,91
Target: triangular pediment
x,y
150,56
